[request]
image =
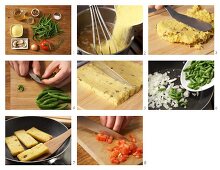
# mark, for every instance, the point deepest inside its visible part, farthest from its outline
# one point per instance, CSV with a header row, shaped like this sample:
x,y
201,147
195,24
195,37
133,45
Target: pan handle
x,y
55,161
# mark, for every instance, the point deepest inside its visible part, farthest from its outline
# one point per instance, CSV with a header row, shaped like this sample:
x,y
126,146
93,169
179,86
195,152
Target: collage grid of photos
x,y
113,85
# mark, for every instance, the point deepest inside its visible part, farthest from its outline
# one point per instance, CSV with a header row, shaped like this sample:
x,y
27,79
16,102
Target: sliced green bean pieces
x,y
199,73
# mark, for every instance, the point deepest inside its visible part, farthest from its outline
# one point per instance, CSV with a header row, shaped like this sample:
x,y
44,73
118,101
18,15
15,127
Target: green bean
x,y
60,96
53,98
49,100
45,28
199,73
49,106
62,106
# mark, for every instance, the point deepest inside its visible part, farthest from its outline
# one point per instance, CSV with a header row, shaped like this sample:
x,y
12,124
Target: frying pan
x,y
47,125
175,67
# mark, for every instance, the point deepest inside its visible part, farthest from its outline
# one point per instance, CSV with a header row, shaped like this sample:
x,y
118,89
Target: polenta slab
x,y
25,138
14,145
33,153
92,78
129,70
39,135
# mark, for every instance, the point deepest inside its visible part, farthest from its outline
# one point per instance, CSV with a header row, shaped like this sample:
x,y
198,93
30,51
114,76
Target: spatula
x,y
192,22
55,143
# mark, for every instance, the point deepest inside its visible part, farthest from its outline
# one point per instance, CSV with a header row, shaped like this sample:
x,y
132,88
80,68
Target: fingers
x,y
151,6
115,123
62,77
23,67
157,7
126,121
50,69
57,79
118,122
36,67
63,83
110,122
103,120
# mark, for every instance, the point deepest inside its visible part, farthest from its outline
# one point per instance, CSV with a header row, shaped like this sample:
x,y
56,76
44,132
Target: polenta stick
x,y
25,138
33,153
39,135
14,145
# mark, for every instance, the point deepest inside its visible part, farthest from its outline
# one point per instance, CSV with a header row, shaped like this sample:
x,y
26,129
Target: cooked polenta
x,y
33,153
14,145
39,135
25,138
176,32
94,79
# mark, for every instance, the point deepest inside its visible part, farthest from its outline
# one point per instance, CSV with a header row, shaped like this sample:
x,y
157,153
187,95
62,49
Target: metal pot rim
x,y
128,45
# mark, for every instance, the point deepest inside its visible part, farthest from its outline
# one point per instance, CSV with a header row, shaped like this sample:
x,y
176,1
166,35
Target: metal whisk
x,y
99,30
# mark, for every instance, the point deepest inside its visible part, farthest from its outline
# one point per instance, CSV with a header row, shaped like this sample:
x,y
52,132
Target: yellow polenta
x,y
94,79
177,32
14,145
33,153
126,17
130,71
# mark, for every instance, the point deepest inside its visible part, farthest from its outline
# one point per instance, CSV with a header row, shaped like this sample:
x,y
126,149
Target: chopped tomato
x,y
123,149
104,138
132,138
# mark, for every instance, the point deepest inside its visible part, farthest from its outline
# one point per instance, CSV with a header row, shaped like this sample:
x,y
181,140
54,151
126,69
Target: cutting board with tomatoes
x,y
158,46
16,100
62,42
88,100
98,150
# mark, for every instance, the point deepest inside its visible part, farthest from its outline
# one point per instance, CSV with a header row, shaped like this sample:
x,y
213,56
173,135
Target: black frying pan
x,y
175,67
47,125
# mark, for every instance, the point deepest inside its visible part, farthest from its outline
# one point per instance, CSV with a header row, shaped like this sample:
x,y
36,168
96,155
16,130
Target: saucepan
x,y
108,14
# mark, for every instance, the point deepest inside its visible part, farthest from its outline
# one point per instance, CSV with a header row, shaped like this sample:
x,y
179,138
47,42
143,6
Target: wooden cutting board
x,y
24,100
165,47
87,100
98,150
64,23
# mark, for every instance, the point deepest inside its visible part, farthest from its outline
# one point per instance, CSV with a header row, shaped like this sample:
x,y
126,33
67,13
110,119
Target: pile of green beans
x,y
53,98
177,95
45,29
199,73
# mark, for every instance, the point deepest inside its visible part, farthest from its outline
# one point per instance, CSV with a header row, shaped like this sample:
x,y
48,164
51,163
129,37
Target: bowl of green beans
x,y
197,75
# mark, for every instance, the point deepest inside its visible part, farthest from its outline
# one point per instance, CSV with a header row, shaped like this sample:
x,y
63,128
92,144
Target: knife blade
x,y
95,127
110,72
192,22
81,63
34,76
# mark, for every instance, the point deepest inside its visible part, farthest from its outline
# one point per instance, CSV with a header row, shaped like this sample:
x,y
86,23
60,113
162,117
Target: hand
x,y
23,67
156,6
115,122
62,77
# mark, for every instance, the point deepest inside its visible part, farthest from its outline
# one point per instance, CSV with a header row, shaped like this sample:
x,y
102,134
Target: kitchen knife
x,y
95,127
34,76
110,72
81,63
192,22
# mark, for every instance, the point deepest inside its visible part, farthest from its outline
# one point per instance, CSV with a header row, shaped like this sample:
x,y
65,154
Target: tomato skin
x,y
122,150
45,45
104,138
